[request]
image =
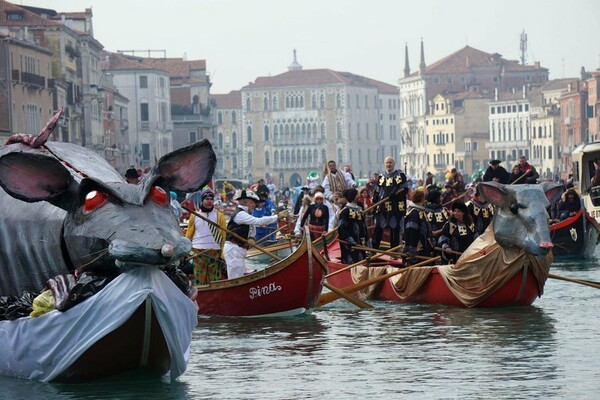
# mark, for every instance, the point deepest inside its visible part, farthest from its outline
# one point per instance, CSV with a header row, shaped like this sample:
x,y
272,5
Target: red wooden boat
x,y
288,287
487,275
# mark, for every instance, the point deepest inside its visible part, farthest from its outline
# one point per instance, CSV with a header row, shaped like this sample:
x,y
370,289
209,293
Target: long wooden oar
x,y
235,235
366,260
354,300
195,255
390,253
270,234
575,280
380,202
450,251
457,197
332,296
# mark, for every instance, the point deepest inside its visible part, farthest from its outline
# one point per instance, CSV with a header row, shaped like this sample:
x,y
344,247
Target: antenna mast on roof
x,y
149,52
523,47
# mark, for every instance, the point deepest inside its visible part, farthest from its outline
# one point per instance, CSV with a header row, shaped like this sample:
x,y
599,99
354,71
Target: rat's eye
x,y
158,195
93,201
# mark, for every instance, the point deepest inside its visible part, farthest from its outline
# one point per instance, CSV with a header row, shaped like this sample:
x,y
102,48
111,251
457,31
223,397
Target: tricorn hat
x,y
495,162
246,194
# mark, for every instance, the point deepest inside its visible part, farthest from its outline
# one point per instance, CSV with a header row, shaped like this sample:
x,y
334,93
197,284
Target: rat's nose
x,y
167,250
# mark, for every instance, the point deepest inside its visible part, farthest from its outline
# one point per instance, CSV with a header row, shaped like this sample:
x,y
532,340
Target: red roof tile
x,y
29,18
176,67
232,99
469,58
115,61
308,77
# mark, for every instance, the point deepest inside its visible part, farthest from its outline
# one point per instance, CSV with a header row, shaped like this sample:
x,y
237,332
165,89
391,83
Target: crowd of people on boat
x,y
427,217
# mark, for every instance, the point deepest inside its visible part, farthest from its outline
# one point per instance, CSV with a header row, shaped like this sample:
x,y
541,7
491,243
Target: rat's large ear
x,y
187,169
33,177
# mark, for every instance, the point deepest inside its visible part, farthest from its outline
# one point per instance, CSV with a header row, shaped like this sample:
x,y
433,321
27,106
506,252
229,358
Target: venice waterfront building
x,y
468,69
292,123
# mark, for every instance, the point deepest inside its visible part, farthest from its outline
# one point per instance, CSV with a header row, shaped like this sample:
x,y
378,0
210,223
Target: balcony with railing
x,y
33,79
29,78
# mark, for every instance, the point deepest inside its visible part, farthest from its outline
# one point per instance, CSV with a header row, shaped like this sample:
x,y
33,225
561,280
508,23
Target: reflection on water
x,y
547,351
129,386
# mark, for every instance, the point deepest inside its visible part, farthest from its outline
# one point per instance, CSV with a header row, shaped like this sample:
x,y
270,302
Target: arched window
x,y
323,156
275,103
266,133
550,153
309,129
234,140
276,132
309,156
248,104
266,103
293,156
249,134
314,128
323,130
339,131
233,117
304,158
220,140
338,100
276,157
322,101
287,131
250,159
287,156
267,158
219,117
303,129
234,165
339,157
314,101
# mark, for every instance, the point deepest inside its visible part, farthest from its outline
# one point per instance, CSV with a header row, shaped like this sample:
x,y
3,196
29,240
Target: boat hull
x,y
574,237
121,351
518,291
521,289
140,321
288,287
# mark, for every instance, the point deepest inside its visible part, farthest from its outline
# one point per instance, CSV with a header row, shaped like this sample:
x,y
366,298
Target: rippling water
x,y
548,350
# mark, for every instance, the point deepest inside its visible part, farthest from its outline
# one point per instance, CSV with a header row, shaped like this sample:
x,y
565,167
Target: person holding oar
x,y
481,211
207,241
392,186
417,230
317,215
436,213
243,225
265,207
458,233
352,229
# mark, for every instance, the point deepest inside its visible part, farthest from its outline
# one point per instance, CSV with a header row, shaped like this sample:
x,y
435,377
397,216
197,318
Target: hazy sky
x,y
241,40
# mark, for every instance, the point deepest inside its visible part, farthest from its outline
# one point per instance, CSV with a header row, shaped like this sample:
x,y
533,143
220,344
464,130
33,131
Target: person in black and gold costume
x,y
352,228
481,211
391,185
418,235
437,214
458,233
